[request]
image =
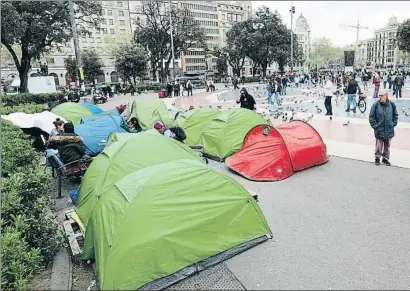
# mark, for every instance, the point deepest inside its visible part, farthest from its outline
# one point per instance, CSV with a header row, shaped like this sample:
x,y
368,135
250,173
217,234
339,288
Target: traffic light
x,y
292,9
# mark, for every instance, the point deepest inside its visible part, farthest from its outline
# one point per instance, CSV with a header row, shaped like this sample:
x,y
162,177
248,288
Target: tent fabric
x,y
113,112
273,154
166,117
122,158
93,108
72,111
194,121
144,110
146,228
43,120
224,135
95,133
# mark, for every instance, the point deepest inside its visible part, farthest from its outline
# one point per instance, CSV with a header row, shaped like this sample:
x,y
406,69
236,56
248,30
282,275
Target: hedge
x,y
25,108
31,236
27,98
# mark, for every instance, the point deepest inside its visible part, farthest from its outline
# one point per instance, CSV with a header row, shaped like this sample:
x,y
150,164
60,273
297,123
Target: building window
x,y
112,30
84,39
91,40
223,17
103,11
120,13
109,12
50,60
111,21
104,31
98,39
122,22
103,21
122,30
229,17
119,3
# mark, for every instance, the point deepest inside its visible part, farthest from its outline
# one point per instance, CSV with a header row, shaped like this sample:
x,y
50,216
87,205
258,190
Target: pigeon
x,y
347,123
173,103
304,110
318,109
406,114
219,107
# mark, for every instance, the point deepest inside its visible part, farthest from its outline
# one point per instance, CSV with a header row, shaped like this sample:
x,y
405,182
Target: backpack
x,y
179,133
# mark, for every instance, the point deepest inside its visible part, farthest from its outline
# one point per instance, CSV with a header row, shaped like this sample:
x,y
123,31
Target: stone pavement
x,y
342,225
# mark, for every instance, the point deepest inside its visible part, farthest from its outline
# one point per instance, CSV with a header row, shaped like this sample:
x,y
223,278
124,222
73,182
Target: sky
x,y
325,17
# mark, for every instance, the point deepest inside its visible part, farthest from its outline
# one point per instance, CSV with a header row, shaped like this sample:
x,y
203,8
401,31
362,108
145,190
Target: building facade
x,y
302,32
382,50
115,29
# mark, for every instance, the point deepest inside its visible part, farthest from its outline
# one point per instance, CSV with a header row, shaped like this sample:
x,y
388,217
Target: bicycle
x,y
361,104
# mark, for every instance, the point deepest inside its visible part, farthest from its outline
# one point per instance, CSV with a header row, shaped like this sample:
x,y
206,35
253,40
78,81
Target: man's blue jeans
x,y
284,89
270,98
276,98
351,98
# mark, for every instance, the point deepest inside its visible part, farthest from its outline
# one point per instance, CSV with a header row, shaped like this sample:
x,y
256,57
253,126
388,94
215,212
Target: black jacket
x,y
353,87
247,101
70,147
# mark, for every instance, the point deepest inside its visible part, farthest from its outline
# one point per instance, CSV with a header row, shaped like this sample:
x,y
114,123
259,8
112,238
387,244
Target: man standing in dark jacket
x,y
383,118
246,100
352,89
399,82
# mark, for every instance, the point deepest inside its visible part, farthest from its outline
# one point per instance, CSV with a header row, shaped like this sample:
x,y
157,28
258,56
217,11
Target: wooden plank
x,y
68,213
72,239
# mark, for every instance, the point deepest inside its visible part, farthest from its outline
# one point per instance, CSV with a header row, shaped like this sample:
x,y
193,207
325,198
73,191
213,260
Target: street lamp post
x,y
172,43
292,11
76,43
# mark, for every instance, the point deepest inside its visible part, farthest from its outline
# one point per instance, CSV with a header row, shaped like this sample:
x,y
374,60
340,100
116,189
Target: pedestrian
x,y
284,84
376,82
328,96
176,89
275,92
399,82
269,90
246,100
351,90
235,83
189,87
385,79
169,90
383,119
389,80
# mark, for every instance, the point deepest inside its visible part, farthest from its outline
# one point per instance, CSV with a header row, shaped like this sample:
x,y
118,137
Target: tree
x,y
323,52
153,33
92,65
131,61
283,51
70,65
403,36
222,65
38,27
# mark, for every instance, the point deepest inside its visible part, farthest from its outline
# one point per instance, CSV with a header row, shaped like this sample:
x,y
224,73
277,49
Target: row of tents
x,y
237,136
154,213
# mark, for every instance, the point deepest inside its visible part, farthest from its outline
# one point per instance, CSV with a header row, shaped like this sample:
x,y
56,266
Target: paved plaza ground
x,y
342,225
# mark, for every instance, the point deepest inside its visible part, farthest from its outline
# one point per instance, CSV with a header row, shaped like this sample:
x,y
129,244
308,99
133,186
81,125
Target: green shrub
x,y
31,236
25,108
17,151
19,261
27,98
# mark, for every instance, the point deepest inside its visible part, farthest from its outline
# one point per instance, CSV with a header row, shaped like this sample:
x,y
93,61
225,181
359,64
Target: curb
x,y
62,273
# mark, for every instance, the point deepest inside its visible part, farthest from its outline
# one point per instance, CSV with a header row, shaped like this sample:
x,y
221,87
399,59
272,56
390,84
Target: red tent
x,y
272,154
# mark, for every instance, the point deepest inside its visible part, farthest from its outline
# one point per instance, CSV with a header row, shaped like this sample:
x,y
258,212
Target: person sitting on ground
x,y
174,132
133,125
246,100
70,146
59,128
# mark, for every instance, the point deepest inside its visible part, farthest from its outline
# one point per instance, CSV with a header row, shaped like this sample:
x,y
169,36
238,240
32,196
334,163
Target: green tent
x,y
165,222
224,135
166,117
116,136
144,111
194,121
72,111
123,157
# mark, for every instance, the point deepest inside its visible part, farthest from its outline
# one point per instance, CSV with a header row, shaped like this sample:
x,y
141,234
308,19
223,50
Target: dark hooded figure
x,y
246,100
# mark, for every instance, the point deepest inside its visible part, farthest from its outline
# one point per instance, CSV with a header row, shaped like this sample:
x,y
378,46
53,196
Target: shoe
x,y
386,162
354,110
347,110
377,161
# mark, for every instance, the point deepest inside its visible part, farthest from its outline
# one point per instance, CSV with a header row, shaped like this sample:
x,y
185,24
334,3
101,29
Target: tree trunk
x,y
281,67
264,68
253,71
23,71
135,80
